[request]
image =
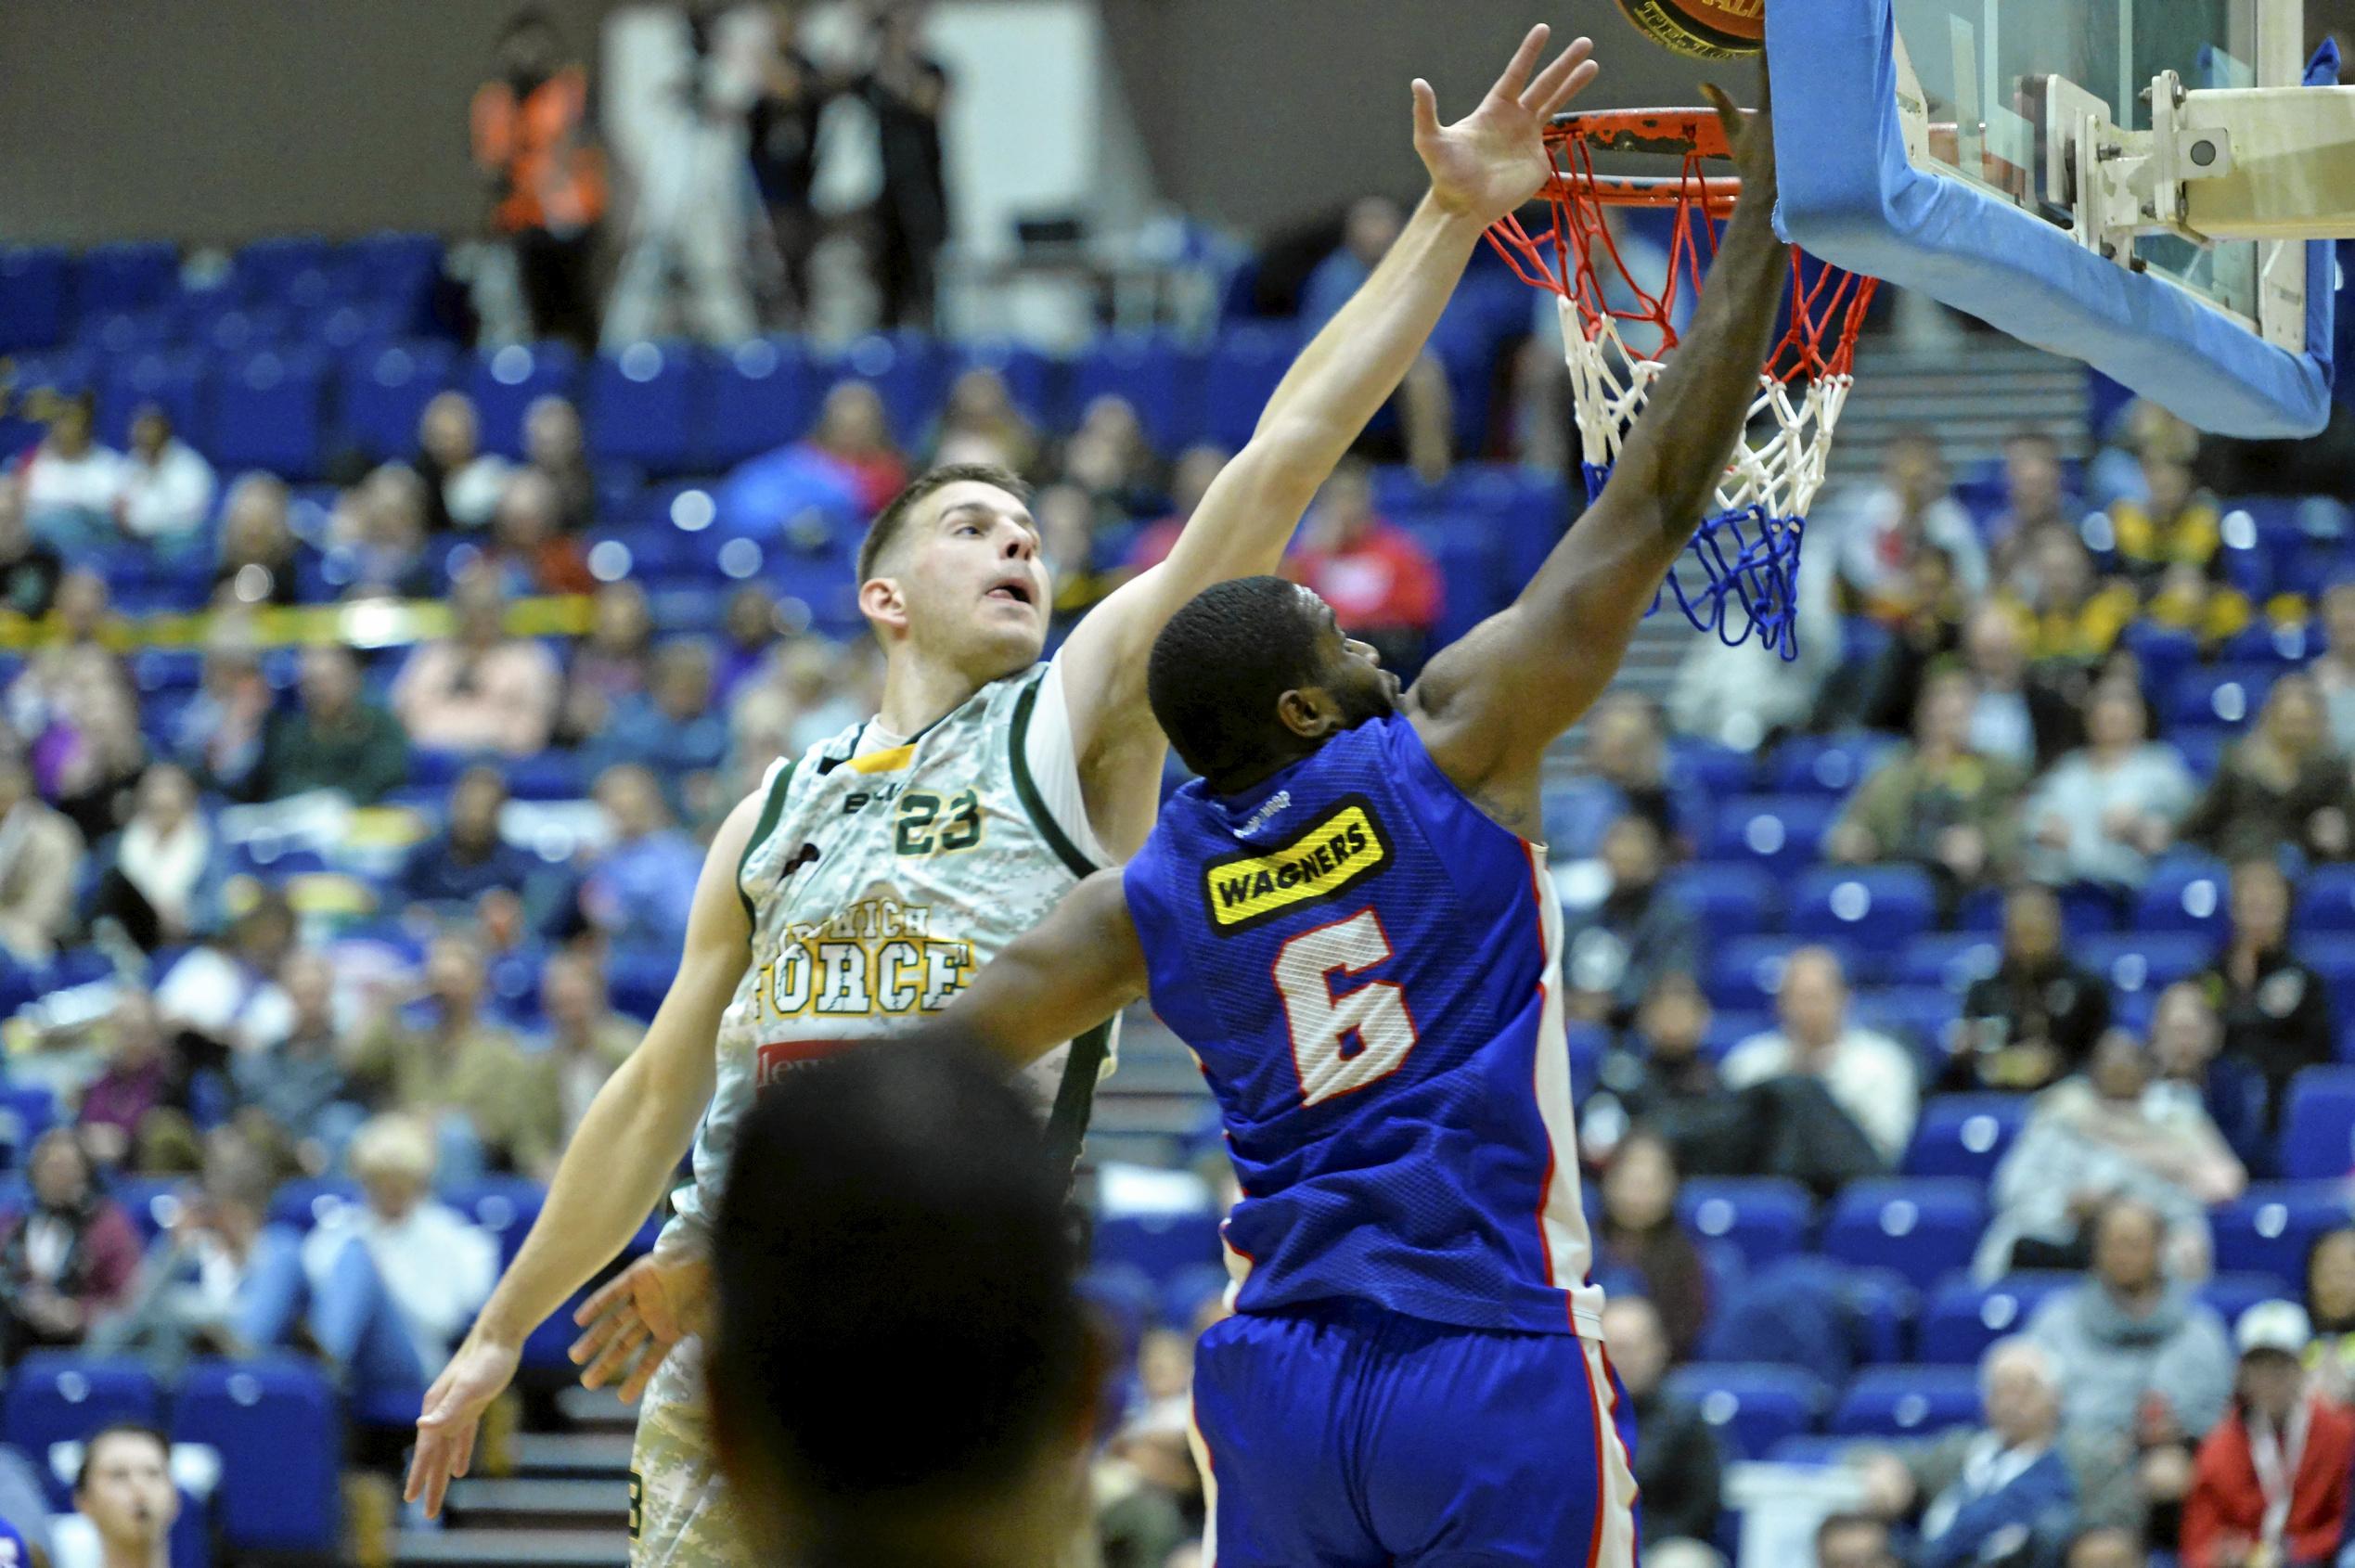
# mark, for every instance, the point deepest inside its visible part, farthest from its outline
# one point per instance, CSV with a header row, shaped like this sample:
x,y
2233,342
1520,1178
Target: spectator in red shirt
x,y
1382,585
2271,1482
531,555
853,429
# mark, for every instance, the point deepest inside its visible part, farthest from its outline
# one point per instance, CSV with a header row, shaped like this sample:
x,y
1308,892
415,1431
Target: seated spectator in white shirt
x,y
2108,809
70,481
167,485
1868,1076
463,484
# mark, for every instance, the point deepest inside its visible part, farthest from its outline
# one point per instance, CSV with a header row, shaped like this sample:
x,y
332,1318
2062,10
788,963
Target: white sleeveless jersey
x,y
880,877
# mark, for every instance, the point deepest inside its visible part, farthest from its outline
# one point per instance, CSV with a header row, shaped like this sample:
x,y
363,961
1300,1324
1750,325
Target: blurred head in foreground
x,y
902,1375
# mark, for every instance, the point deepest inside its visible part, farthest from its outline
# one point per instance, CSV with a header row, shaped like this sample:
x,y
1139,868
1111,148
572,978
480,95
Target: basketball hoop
x,y
1618,329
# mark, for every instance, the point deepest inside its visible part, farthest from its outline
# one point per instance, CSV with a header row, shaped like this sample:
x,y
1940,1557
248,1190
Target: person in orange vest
x,y
533,138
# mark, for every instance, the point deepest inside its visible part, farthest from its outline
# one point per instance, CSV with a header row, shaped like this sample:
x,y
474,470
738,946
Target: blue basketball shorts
x,y
1347,1436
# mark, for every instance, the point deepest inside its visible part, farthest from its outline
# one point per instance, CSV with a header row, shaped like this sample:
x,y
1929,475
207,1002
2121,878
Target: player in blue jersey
x,y
1348,920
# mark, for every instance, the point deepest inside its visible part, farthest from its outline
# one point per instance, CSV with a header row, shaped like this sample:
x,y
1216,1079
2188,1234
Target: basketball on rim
x,y
1702,30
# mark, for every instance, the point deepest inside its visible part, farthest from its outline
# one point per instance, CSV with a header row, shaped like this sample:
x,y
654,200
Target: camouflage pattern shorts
x,y
679,1512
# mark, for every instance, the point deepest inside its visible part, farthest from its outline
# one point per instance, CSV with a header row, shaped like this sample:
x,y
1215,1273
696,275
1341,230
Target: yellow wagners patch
x,y
1341,850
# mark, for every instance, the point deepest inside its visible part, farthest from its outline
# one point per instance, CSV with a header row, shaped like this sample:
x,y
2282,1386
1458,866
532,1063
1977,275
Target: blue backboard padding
x,y
1850,196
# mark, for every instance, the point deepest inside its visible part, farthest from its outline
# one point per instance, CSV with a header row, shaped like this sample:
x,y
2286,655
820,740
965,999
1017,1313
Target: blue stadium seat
x,y
383,392
1708,767
1876,908
904,368
56,1396
276,1425
2085,911
505,381
1962,1319
2136,963
643,407
1881,1304
1729,901
153,1202
395,268
1125,1299
1752,1406
1155,373
243,330
25,1112
1826,764
1241,374
129,276
1764,1219
1906,1402
639,981
175,381
1163,1245
1964,1134
1918,1016
1745,973
267,415
763,395
1779,834
2186,893
503,1205
32,296
2232,1294
547,776
1953,960
1923,1228
2227,694
118,333
2326,900
1183,1294
2333,958
2318,1129
266,270
2268,1229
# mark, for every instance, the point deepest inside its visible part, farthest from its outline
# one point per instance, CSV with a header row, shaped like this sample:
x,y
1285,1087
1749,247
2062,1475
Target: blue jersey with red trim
x,y
1366,966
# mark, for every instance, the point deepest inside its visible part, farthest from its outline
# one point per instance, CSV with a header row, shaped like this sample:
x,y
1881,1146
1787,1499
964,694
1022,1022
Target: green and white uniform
x,y
883,873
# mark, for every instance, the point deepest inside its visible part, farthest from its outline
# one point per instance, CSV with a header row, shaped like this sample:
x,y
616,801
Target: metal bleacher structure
x,y
301,350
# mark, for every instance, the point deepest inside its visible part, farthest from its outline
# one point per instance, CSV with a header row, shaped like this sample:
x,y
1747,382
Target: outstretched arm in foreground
x,y
1490,705
618,1167
1482,167
1066,976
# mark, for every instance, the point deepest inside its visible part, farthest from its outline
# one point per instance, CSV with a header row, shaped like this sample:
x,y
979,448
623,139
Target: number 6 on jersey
x,y
1323,1022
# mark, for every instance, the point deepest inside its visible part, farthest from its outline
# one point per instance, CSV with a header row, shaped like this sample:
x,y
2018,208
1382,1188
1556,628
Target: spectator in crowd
x,y
2170,524
378,529
225,994
2020,716
167,485
1110,458
639,890
1425,404
219,737
1626,774
161,876
674,727
68,1257
222,1281
1881,529
1641,1240
1854,1540
125,1501
555,448
2271,1482
72,482
480,688
751,628
40,864
467,858
2276,1009
488,1104
535,145
462,481
2147,1362
1975,1489
906,89
1938,802
2073,618
1868,1076
2036,1018
2091,1139
295,1076
333,739
142,1076
781,130
395,1279
28,567
1380,580
1191,476
2333,671
527,548
2107,811
94,741
1066,519
613,662
2036,500
587,1039
2106,1546
1676,1462
1659,1077
1618,947
1928,636
853,434
980,424
2330,1311
256,564
2280,786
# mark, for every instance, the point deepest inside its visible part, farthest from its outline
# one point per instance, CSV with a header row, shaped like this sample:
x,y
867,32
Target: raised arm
x,y
618,1167
1490,705
1066,976
1482,167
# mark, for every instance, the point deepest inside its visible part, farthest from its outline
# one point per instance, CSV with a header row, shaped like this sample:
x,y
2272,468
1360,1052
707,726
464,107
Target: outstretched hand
x,y
1486,165
1751,135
